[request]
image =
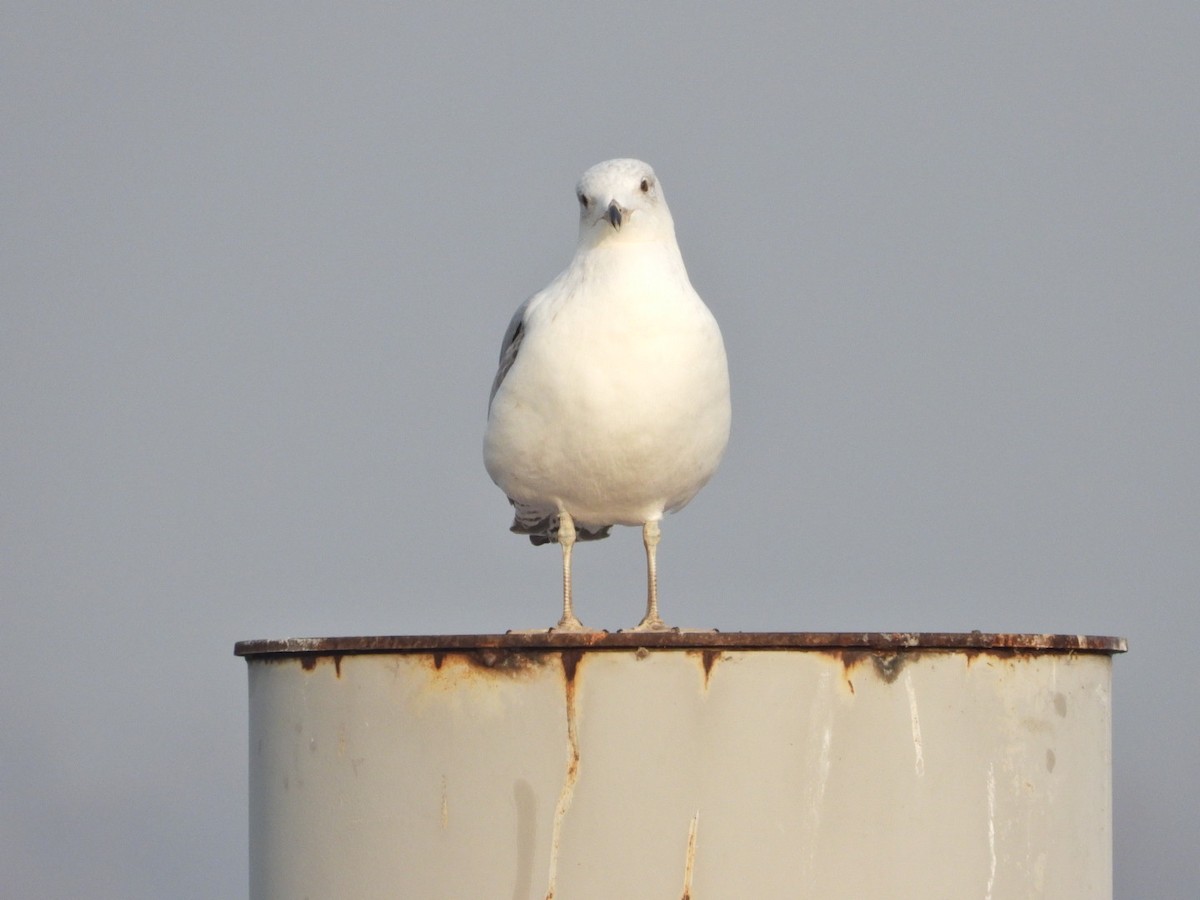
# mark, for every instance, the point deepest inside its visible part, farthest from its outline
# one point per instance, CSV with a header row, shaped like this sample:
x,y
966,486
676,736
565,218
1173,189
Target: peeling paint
x,y
991,823
914,715
689,861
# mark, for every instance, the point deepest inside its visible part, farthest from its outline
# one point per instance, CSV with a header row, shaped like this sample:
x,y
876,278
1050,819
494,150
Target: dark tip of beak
x,y
613,214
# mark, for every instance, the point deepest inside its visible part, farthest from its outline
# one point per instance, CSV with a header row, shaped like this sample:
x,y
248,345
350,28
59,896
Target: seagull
x,y
611,402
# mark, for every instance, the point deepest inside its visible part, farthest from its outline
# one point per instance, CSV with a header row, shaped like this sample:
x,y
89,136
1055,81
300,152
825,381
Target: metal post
x,y
694,765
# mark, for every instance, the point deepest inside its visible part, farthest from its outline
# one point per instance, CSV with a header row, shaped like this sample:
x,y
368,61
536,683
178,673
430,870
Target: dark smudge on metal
x,y
484,661
886,665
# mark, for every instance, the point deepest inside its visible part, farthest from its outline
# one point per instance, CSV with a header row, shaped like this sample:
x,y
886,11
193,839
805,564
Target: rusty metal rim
x,y
686,640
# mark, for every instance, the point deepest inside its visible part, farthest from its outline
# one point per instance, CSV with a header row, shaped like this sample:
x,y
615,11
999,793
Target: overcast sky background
x,y
257,259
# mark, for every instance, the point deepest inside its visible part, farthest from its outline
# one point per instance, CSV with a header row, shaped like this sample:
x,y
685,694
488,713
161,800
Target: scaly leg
x,y
650,535
566,537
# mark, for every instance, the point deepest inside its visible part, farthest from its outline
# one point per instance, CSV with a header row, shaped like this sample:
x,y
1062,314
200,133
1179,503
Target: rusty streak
x,y
570,662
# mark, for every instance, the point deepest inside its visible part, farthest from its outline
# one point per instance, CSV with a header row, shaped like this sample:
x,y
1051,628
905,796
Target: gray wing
x,y
509,347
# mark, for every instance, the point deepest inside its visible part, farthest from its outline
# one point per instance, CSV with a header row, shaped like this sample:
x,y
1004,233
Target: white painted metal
x,y
781,773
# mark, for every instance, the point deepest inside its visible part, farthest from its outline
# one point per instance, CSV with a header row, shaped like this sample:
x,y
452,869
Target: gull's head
x,y
621,200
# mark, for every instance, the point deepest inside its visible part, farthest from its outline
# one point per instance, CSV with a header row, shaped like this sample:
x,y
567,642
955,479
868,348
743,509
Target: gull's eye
x,y
583,200
645,185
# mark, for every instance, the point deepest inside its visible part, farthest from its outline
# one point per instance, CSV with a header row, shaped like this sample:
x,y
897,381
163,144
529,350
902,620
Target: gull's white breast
x,y
616,408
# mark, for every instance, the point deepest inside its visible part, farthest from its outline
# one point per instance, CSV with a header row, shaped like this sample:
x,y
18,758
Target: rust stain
x,y
488,663
570,664
508,662
888,664
308,661
709,657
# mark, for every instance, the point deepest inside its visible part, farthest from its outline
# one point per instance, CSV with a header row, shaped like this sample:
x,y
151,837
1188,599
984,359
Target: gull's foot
x,y
651,624
569,623
572,626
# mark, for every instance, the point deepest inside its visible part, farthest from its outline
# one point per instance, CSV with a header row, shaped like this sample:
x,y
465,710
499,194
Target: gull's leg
x,y
650,535
566,537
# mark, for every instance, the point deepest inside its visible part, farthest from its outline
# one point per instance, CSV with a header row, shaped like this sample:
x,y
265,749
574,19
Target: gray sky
x,y
256,261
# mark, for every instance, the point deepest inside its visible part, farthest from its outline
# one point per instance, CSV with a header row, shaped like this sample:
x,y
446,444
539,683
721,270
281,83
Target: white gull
x,y
611,403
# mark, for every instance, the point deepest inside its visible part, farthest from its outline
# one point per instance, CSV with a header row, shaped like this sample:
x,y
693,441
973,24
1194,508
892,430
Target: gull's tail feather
x,y
542,528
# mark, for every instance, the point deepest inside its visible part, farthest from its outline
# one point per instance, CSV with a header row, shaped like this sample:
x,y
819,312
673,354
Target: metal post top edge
x,y
973,641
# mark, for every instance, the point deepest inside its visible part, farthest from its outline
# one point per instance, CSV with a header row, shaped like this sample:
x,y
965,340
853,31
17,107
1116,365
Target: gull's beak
x,y
614,214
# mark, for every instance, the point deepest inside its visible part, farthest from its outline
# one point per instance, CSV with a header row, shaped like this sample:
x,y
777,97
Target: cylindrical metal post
x,y
694,765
